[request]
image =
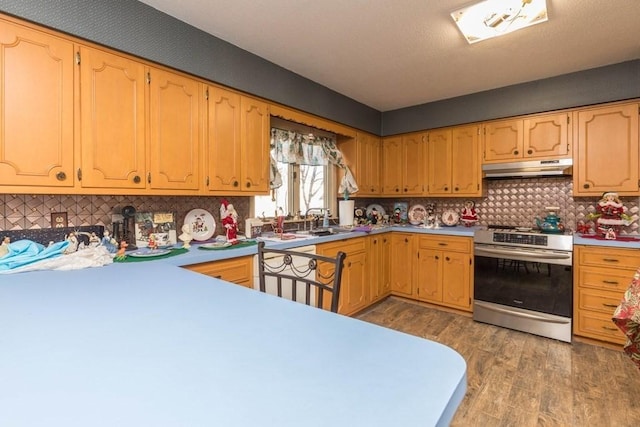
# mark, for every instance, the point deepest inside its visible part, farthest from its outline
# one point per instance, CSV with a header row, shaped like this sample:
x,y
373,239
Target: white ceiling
x,y
390,54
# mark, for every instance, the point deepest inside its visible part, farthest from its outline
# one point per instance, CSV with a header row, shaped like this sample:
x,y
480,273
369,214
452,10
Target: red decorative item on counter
x,y
229,218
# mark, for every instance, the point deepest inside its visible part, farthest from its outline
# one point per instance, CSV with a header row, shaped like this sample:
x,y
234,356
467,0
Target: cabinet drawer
x,y
609,257
347,246
598,326
236,270
596,300
460,244
606,279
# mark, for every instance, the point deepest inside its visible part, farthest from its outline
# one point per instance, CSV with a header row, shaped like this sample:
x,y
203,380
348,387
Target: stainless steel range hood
x,y
528,169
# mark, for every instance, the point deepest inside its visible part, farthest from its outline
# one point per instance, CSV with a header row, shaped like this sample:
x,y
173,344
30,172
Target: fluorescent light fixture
x,y
492,18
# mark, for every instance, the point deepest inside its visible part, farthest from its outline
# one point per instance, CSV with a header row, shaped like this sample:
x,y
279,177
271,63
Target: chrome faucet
x,y
314,218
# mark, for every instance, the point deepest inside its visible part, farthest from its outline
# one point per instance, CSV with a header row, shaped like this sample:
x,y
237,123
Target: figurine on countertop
x,y
374,216
4,247
94,240
610,214
153,243
123,247
186,236
109,242
73,243
469,213
229,218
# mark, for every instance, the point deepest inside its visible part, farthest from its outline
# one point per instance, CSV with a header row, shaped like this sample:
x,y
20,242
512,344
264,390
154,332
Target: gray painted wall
x,y
598,85
133,27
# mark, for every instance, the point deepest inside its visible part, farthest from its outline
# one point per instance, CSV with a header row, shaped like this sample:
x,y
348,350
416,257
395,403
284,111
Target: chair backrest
x,y
300,276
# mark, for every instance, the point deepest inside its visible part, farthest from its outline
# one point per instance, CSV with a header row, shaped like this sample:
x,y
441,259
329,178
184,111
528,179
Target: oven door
x,y
537,280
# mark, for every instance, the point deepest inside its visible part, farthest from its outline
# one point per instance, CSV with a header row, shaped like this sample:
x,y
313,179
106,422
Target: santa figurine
x,y
229,218
611,213
469,213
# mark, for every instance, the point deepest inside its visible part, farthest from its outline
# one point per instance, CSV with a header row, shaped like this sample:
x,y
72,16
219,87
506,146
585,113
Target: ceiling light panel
x,y
492,18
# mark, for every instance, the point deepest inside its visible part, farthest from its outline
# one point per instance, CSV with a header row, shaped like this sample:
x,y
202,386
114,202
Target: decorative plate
x,y
417,214
379,208
450,218
201,224
149,253
216,245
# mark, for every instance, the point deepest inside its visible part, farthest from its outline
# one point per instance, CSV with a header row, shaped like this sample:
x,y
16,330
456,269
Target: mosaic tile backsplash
x,y
507,202
20,211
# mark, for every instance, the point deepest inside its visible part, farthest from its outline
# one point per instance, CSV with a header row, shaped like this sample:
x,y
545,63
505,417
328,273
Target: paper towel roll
x,y
346,208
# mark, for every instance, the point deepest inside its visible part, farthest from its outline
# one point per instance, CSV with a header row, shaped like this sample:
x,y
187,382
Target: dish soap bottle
x,y
325,221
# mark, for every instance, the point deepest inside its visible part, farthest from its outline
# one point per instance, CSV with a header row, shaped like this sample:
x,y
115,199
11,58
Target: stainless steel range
x,y
523,280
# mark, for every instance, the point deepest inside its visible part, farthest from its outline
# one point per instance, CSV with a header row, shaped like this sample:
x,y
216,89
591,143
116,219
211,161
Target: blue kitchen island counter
x,y
150,344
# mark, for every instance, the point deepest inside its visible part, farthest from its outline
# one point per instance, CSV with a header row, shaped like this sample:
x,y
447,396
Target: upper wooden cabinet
x,y
403,165
237,149
119,98
546,136
607,150
112,121
454,162
36,108
363,156
174,137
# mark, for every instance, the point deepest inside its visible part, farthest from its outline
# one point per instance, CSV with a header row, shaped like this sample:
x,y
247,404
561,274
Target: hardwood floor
x,y
519,379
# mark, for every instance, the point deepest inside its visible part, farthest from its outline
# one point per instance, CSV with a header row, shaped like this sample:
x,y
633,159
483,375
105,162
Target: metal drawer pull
x,y
610,305
610,260
609,328
442,244
611,282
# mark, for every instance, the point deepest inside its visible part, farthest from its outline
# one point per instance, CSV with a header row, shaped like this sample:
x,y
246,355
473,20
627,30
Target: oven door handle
x,y
493,307
535,256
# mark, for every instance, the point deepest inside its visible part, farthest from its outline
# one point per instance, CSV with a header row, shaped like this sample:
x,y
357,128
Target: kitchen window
x,y
304,162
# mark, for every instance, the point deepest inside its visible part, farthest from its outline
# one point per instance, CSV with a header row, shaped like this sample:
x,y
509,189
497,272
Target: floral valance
x,y
289,146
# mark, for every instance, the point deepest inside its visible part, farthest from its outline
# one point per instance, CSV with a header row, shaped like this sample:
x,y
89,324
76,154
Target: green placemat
x,y
174,252
242,244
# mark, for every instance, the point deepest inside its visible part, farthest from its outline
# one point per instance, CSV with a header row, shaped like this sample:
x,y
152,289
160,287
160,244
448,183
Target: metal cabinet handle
x,y
446,188
236,183
516,152
437,257
609,305
585,185
529,151
608,328
61,176
443,244
610,260
610,282
447,258
248,185
136,179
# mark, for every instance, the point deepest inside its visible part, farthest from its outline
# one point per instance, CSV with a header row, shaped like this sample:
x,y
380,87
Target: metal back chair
x,y
301,276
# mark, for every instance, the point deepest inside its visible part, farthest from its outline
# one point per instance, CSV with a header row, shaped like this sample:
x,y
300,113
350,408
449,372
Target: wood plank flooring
x,y
519,379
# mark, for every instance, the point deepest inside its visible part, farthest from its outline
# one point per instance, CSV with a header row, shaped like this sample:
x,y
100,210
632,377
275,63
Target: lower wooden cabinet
x,y
234,270
401,267
601,276
443,271
354,292
379,251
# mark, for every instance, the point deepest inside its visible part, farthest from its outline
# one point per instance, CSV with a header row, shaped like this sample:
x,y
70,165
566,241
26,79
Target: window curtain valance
x,y
289,146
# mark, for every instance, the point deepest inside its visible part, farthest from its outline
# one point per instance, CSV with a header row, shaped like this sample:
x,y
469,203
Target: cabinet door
x,y
254,150
401,267
429,275
174,144
440,162
547,137
392,162
354,293
112,124
378,262
223,140
607,150
36,108
456,280
466,173
413,171
368,162
503,140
